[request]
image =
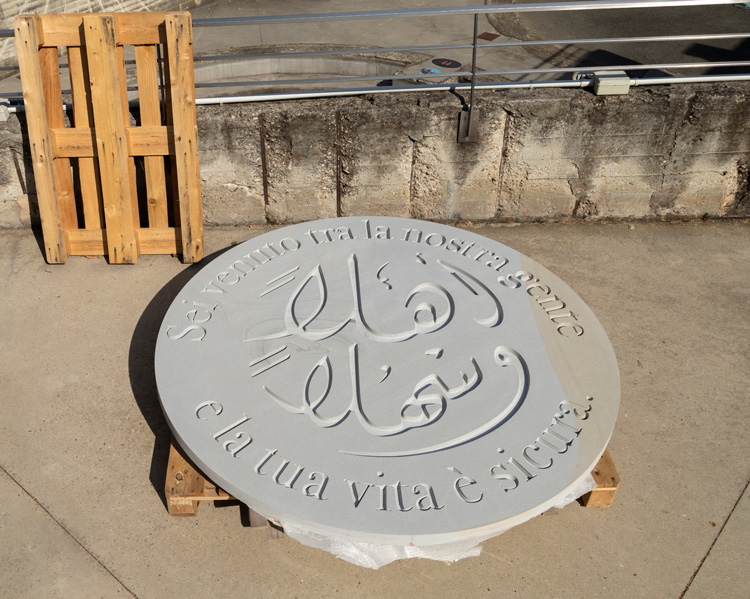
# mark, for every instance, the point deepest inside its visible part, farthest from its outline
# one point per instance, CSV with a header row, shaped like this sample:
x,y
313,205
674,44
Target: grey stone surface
x,y
82,431
387,380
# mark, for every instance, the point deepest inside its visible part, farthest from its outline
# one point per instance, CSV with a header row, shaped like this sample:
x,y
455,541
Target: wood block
x,y
120,51
182,483
182,93
111,141
148,98
83,117
274,532
132,28
186,487
81,142
607,482
93,242
256,520
50,70
39,143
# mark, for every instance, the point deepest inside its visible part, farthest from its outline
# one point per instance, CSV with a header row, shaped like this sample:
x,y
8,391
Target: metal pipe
x,y
473,74
635,67
456,10
688,79
279,82
358,91
446,11
625,67
514,43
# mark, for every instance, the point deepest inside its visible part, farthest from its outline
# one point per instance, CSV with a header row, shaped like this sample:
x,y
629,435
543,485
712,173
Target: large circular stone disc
x,y
387,380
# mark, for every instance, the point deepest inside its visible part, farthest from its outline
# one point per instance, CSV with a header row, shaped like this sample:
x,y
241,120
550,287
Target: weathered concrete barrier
x,y
661,152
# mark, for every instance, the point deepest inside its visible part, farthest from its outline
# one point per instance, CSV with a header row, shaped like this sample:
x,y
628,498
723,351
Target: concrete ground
x,y
83,443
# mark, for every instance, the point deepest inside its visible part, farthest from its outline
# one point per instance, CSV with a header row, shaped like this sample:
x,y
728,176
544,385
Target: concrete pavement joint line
x,y
716,538
56,521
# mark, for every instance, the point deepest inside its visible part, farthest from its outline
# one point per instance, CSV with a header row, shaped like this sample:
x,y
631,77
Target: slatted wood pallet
x,y
186,487
97,155
607,481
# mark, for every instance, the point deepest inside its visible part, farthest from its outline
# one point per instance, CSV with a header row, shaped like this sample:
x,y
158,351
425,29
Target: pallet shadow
x,y
27,182
142,374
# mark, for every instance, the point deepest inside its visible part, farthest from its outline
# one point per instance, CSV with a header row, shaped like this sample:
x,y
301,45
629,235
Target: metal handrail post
x,y
473,67
466,125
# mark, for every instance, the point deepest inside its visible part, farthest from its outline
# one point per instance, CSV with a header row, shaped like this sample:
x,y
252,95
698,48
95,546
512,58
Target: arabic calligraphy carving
x,y
385,281
432,308
429,398
426,317
504,356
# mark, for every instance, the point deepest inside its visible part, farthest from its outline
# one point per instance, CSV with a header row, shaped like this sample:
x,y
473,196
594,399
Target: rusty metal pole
x,y
467,120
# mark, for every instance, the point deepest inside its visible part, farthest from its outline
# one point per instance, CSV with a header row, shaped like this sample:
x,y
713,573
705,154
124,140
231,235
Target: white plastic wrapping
x,y
370,555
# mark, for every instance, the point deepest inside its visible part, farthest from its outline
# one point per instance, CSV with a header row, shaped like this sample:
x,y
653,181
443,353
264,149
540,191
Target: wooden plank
x,y
148,98
185,487
182,93
132,28
78,142
159,241
92,242
62,30
213,493
83,117
66,202
39,143
126,123
274,532
607,481
182,480
172,171
256,520
150,141
141,141
86,242
111,143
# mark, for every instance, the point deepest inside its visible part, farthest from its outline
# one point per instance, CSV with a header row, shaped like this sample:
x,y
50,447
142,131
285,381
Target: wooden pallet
x,y
607,481
186,487
85,174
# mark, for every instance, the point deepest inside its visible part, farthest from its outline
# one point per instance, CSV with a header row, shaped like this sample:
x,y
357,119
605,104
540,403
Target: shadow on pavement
x,y
142,375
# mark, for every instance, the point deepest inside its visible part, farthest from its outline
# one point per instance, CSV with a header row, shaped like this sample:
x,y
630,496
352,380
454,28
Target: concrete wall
x,y
678,152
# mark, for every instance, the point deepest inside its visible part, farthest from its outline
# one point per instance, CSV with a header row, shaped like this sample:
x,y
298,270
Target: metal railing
x,y
460,80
